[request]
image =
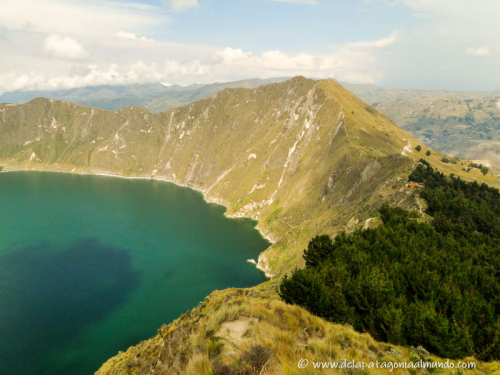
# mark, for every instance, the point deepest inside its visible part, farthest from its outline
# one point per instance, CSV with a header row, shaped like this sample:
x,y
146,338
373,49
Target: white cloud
x,y
132,36
78,18
226,64
354,62
430,54
193,69
380,43
64,48
126,35
307,2
181,5
268,63
92,75
481,51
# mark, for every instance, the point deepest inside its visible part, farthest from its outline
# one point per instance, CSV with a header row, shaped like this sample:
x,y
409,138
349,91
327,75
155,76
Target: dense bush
x,y
409,282
484,170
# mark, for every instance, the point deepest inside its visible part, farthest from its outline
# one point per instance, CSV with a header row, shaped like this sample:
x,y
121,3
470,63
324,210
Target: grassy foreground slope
x,y
243,331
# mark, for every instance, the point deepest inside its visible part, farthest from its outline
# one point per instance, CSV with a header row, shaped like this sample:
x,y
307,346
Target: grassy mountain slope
x,y
468,128
303,157
191,93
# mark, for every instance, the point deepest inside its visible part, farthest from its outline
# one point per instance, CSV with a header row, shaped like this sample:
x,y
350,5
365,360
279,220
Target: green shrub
x,y
414,283
484,170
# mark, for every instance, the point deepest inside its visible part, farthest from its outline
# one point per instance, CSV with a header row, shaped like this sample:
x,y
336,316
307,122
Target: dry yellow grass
x,y
218,335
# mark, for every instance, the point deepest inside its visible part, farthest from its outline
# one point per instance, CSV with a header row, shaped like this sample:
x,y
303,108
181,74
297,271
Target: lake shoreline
x,y
106,262
259,264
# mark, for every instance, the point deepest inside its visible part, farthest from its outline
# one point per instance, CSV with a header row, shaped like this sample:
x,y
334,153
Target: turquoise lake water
x,y
90,265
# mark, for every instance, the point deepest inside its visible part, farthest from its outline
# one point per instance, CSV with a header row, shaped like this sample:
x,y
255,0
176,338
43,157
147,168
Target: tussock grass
x,y
275,336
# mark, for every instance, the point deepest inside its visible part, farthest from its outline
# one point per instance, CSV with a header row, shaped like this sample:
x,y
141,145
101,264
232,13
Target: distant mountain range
x,y
154,96
467,128
158,98
375,94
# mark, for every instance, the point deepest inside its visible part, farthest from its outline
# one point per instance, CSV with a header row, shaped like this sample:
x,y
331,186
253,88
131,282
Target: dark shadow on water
x,y
48,295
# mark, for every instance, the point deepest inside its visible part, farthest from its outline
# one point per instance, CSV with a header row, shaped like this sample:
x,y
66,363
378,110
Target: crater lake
x,y
90,265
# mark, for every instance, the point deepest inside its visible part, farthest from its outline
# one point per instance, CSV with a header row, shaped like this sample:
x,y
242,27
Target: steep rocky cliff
x,y
302,157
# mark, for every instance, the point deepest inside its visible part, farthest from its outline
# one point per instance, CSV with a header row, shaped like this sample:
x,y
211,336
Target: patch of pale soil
x,y
367,223
233,332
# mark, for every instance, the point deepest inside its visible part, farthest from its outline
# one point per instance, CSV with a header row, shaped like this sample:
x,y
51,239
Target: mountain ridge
x,y
158,97
248,149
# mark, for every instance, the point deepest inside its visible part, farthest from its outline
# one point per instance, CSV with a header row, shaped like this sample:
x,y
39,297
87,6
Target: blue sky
x,y
261,25
54,44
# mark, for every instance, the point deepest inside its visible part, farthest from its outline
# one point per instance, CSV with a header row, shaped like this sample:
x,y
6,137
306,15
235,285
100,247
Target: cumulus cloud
x,y
64,48
192,69
92,75
354,62
181,5
267,63
481,51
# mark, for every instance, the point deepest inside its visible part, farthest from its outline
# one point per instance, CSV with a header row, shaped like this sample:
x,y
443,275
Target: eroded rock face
x,y
298,155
